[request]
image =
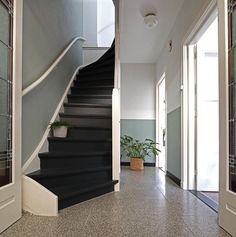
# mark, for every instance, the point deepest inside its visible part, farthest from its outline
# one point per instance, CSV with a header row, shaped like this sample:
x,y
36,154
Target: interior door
x,y
227,52
161,103
10,192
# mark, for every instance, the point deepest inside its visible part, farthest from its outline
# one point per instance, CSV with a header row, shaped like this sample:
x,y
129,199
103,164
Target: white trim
x,y
33,158
118,13
37,199
192,33
201,19
17,86
50,69
116,103
116,137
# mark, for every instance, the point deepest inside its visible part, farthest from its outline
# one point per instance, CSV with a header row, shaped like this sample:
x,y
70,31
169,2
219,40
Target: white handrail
x,y
50,69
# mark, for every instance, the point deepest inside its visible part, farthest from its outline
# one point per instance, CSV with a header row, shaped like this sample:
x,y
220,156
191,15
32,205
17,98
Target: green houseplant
x,y
59,128
137,150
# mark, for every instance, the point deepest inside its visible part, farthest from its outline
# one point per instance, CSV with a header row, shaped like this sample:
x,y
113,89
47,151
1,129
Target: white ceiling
x,y
138,43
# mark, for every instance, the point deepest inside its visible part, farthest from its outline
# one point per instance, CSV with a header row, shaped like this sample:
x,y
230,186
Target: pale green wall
x,y
139,129
174,142
48,27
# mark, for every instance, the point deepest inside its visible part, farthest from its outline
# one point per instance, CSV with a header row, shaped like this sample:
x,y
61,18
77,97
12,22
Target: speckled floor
x,y
148,205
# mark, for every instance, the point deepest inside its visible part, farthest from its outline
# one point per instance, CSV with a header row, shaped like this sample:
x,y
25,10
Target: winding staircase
x,y
79,167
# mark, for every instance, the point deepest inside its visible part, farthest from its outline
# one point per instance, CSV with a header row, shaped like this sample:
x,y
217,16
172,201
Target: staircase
x,y
79,167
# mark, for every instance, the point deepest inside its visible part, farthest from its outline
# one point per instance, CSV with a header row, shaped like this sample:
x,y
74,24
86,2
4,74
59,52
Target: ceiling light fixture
x,y
150,20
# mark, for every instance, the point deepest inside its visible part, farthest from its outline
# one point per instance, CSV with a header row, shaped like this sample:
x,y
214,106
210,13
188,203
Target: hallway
x,y
148,205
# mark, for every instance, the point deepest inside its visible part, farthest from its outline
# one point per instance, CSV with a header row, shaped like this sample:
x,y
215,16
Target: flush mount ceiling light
x,y
150,20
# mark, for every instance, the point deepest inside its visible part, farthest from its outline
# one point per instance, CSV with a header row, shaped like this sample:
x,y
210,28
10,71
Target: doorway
x,y
202,115
161,122
207,115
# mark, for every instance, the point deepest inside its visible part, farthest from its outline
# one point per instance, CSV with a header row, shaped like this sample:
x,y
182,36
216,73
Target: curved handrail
x,y
50,69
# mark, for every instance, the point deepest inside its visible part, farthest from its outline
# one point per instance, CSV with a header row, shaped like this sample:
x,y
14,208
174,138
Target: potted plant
x,y
59,128
137,151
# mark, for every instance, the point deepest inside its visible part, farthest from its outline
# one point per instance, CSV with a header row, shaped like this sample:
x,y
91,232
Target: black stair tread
x,y
68,139
72,154
94,86
94,116
70,191
99,87
83,79
95,77
97,70
90,105
90,96
96,65
107,56
46,173
90,128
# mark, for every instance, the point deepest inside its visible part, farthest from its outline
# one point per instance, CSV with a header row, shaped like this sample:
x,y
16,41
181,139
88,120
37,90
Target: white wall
x,y
105,22
137,91
90,22
170,62
138,102
92,54
49,26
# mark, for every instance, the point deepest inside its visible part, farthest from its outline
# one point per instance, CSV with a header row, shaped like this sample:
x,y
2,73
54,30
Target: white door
x,y
161,122
10,117
227,26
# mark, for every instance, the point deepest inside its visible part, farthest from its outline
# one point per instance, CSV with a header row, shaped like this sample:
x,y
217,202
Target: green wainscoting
x,y
140,129
174,142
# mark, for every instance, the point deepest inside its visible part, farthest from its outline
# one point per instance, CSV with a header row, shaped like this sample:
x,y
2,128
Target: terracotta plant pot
x,y
136,164
60,131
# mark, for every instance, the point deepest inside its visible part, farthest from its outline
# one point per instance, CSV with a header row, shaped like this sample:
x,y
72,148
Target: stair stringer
x,y
33,163
38,200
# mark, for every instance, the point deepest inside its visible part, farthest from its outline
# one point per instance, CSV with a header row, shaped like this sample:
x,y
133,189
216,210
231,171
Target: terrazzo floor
x,y
149,204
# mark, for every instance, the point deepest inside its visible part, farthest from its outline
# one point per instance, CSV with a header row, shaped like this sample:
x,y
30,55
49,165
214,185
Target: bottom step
x,y
68,196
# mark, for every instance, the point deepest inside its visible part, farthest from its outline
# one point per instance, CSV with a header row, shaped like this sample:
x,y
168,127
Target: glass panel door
x,y
5,93
10,111
232,96
227,62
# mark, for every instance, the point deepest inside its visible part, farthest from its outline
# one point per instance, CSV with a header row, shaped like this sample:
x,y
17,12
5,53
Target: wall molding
x,y
33,163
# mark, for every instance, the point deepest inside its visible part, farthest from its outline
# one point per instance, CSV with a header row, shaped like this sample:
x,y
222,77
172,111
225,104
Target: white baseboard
x,y
33,163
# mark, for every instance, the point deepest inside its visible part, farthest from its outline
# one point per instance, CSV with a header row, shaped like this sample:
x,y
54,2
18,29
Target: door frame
x,y
192,35
227,213
163,77
14,189
17,88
